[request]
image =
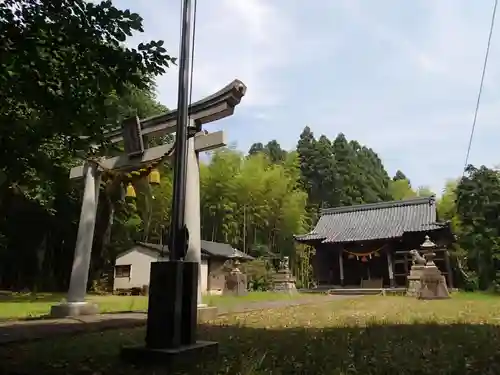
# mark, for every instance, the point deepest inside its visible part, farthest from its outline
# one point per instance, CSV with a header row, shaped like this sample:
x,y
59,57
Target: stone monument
x,y
236,281
432,282
418,264
283,280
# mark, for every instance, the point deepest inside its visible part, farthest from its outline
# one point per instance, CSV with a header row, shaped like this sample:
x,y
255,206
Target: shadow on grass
x,y
375,349
7,297
372,350
46,328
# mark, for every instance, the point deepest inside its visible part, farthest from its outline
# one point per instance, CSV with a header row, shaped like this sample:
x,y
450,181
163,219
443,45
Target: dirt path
x,y
28,330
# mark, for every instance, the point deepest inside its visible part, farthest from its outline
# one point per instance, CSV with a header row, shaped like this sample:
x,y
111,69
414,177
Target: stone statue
x,y
417,259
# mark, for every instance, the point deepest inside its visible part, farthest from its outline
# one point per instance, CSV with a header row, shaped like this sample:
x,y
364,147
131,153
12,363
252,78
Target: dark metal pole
x,y
172,308
177,240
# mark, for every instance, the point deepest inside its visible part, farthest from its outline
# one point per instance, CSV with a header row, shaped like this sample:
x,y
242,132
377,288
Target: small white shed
x,y
132,267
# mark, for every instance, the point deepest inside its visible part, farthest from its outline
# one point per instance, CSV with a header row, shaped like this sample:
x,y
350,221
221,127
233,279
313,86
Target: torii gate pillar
x,y
76,304
192,212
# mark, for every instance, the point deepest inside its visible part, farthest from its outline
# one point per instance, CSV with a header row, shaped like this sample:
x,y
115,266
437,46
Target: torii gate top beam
x,y
212,108
202,142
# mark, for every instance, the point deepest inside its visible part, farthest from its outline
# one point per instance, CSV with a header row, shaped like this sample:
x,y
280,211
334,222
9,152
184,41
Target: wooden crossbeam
x,y
202,142
212,108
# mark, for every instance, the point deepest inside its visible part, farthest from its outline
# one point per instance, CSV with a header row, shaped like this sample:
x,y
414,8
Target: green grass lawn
x,y
19,306
369,335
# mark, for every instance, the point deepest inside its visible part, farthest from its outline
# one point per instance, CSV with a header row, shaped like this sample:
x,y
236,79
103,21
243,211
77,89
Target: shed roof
x,y
384,220
208,249
223,250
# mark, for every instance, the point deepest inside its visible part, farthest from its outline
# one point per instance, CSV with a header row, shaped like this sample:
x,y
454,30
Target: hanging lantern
x,y
377,254
130,191
154,177
350,256
364,259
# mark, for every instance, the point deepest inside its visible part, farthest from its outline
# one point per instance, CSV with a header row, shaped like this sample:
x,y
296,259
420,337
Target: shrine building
x,y
367,245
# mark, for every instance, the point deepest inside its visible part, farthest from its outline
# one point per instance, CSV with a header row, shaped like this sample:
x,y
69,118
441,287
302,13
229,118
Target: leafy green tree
x,y
372,178
305,151
348,171
327,192
218,196
478,209
401,189
447,208
318,168
424,191
400,176
272,149
252,202
256,148
66,78
62,61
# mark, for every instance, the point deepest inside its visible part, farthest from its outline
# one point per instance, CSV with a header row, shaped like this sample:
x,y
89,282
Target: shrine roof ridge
x,y
375,221
211,108
379,205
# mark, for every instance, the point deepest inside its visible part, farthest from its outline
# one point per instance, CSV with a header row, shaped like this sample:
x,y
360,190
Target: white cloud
x,y
401,77
234,39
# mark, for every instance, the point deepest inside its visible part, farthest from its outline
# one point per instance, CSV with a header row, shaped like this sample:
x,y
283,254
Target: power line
x,y
480,86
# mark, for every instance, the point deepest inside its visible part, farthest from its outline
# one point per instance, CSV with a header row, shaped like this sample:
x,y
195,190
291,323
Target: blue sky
x,y
401,77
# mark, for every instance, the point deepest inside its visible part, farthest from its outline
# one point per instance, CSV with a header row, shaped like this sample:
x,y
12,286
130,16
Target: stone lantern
x,y
283,280
432,282
428,247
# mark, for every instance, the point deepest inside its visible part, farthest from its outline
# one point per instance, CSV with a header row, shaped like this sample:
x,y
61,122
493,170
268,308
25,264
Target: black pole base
x,y
200,351
172,318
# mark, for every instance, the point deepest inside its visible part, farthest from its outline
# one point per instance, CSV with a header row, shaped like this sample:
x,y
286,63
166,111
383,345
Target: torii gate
x,y
212,108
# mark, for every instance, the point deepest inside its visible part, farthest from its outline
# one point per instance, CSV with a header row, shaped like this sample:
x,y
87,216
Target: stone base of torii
x,y
212,108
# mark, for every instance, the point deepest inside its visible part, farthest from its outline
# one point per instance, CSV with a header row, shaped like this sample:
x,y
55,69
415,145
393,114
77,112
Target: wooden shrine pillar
x,y
341,266
390,267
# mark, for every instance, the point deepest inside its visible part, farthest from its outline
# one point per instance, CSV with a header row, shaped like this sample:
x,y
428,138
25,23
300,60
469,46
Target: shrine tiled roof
x,y
384,220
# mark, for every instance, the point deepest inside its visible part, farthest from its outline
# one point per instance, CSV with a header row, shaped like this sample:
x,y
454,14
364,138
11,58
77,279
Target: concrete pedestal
x,y
73,309
283,281
432,284
414,280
